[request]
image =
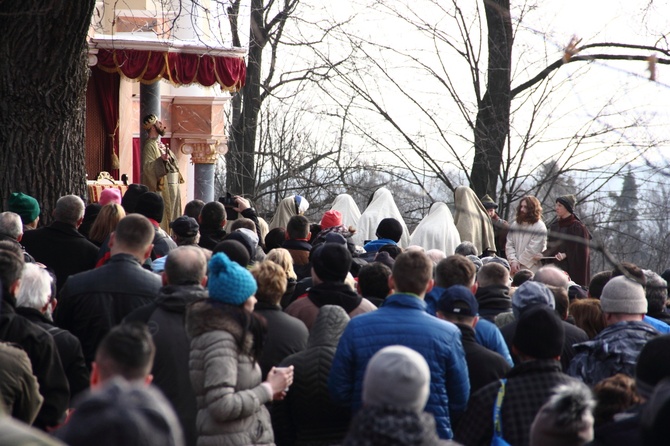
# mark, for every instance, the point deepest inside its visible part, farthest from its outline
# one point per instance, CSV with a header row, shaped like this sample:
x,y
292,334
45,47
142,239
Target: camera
x,y
229,202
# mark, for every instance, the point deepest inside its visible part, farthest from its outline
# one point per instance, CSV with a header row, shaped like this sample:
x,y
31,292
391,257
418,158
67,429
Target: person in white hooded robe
x,y
381,206
346,206
473,223
288,207
437,230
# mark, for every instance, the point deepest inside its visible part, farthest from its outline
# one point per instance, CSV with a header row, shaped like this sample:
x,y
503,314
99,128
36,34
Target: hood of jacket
x,y
175,298
328,327
205,315
334,293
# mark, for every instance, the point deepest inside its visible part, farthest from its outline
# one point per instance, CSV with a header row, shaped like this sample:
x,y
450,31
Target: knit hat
x,y
150,204
228,282
110,195
397,376
389,228
185,226
331,218
622,295
26,206
129,200
539,332
568,201
530,293
496,259
566,419
334,237
458,299
385,258
488,202
653,365
235,251
476,261
244,240
331,262
393,250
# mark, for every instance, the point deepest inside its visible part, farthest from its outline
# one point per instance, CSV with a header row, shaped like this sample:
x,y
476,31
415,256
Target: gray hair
x,y
11,225
553,276
35,287
69,209
186,265
656,291
466,248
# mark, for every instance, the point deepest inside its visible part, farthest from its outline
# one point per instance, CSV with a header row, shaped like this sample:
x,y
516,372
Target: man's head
x,y
373,280
243,223
11,269
271,280
598,282
11,225
35,288
151,205
455,270
213,216
457,304
69,210
493,274
531,293
26,207
562,301
185,265
656,292
523,275
529,210
389,228
133,235
539,333
186,230
466,248
129,200
331,262
193,208
412,273
153,126
623,299
297,228
630,270
552,276
489,205
127,351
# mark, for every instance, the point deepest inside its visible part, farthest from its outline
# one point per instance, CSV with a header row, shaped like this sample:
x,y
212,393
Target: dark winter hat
x,y
129,200
331,262
397,376
530,293
539,332
26,206
476,261
653,365
235,251
150,204
389,228
458,299
393,250
385,258
488,202
569,201
566,419
228,282
496,259
622,295
334,237
244,240
185,226
655,416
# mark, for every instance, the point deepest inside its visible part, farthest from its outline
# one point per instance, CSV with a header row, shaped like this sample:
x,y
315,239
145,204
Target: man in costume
x,y
160,171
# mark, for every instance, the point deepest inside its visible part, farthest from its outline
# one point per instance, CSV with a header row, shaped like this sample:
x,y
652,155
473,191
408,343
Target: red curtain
x,y
107,88
137,161
179,68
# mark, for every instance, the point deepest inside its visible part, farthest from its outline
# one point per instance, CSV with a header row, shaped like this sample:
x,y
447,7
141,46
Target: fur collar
x,y
203,316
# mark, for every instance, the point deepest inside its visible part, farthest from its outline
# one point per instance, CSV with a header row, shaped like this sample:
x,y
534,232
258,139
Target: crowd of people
x,y
219,328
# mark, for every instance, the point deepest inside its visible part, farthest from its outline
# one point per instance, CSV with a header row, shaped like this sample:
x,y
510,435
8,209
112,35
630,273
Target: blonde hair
x,y
283,258
271,281
105,223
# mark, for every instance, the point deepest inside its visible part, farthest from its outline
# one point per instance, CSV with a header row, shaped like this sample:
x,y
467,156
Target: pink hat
x,y
331,218
110,196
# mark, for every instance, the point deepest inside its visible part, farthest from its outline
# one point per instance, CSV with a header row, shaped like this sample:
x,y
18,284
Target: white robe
x,y
473,223
346,206
382,206
437,230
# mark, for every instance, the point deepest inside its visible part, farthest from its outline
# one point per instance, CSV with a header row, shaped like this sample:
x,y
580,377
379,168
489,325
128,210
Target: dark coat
x,y
529,386
69,350
286,335
493,300
26,257
500,230
577,263
573,335
484,365
209,237
62,248
19,390
47,368
299,251
93,302
166,318
307,416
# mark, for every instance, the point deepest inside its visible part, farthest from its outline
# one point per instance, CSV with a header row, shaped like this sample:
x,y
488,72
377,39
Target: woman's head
x,y
271,281
283,258
588,316
106,221
529,210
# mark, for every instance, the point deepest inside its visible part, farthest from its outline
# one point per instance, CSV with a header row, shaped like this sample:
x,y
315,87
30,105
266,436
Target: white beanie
x,y
622,295
397,376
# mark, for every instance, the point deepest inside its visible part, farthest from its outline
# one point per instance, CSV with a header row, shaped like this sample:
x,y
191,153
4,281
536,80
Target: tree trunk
x,y
492,126
240,167
43,78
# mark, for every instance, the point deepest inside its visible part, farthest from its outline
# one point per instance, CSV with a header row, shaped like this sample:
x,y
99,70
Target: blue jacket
x,y
403,320
374,245
659,325
486,332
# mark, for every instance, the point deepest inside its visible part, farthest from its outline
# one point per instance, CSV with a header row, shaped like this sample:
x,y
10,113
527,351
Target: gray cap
x,y
530,293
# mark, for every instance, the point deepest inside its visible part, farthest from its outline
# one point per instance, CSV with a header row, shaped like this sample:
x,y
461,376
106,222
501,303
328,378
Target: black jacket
x,y
484,366
166,318
93,302
41,350
209,238
286,335
62,248
26,257
69,350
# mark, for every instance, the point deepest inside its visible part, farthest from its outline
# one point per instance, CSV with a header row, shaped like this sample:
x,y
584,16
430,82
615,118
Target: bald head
x,y
185,265
552,276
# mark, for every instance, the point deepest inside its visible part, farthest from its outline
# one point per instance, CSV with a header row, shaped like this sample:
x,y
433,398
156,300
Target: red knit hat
x,y
331,218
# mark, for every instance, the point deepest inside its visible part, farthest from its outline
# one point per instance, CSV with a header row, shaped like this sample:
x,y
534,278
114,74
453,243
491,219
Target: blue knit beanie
x,y
228,282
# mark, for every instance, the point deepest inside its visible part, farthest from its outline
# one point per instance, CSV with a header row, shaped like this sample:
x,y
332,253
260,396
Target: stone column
x,y
204,155
150,102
